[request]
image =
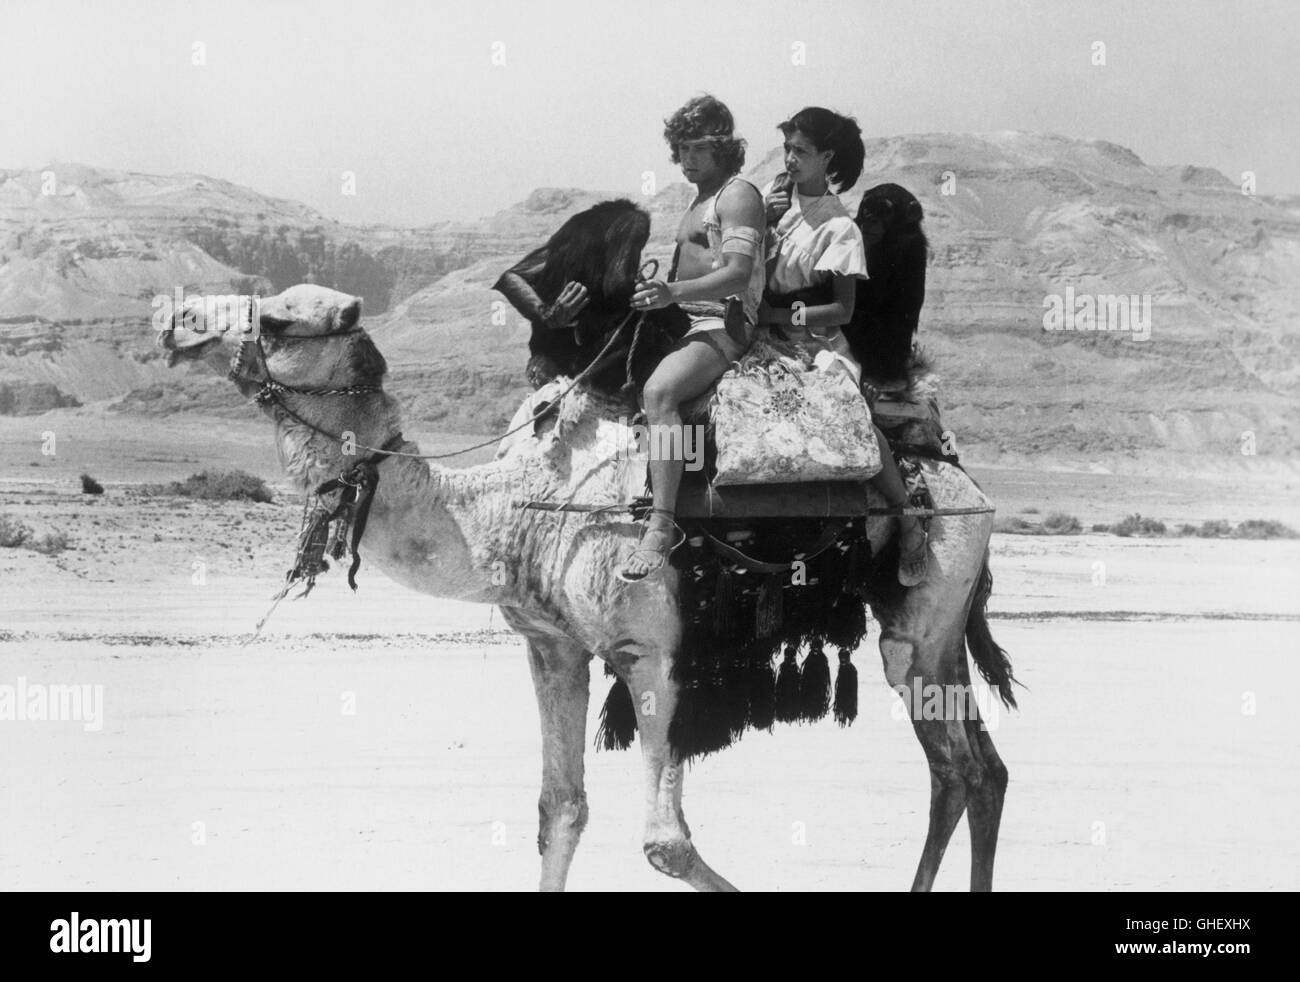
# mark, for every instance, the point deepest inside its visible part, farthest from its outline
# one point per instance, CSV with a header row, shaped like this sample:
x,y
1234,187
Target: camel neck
x,y
422,523
421,533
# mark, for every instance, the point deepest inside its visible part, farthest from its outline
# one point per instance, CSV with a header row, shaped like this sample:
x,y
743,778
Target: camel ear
x,y
348,314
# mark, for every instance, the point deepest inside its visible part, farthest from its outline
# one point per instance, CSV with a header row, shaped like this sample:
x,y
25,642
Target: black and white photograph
x,y
788,446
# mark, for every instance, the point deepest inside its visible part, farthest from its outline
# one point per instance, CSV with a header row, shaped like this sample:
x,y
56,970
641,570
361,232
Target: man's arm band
x,y
742,239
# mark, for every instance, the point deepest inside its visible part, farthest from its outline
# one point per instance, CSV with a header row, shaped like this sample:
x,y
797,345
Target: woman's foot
x,y
913,550
657,543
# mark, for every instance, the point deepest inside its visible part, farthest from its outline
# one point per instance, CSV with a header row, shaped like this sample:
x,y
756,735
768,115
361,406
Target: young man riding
x,y
717,278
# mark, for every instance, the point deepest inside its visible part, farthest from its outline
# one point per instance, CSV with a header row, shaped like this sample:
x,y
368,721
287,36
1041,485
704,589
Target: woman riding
x,y
815,256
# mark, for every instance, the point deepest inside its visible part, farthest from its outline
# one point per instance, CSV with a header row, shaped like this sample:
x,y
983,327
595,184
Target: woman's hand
x,y
776,204
567,306
652,295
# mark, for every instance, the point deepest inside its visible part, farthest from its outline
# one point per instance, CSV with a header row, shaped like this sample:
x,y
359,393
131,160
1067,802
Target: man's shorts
x,y
721,324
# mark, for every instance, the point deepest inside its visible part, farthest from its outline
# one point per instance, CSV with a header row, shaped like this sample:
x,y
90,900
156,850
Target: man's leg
x,y
684,373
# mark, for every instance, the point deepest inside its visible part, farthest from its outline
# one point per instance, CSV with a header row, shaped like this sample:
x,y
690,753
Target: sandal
x,y
912,563
660,555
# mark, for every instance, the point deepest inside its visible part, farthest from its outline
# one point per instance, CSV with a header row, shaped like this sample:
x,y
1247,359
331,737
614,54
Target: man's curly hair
x,y
706,118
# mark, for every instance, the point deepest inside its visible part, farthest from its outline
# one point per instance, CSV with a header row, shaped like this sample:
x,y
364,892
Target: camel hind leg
x,y
984,808
985,794
923,644
923,685
966,772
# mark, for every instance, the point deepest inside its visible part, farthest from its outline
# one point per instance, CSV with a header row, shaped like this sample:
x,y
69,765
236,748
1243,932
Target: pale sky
x,y
405,94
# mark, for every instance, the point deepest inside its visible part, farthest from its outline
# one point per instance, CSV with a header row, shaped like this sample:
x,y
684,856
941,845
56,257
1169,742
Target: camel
x,y
459,534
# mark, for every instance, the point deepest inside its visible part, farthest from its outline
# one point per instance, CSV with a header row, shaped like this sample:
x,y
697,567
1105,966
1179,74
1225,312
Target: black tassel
x,y
617,719
787,688
699,726
846,689
814,685
762,688
724,604
767,609
735,692
859,560
846,621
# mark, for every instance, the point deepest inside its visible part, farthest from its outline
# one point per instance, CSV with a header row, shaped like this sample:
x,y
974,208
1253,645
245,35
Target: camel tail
x,y
992,661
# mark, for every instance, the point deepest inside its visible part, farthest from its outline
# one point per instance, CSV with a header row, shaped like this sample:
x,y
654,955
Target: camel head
x,y
309,337
303,352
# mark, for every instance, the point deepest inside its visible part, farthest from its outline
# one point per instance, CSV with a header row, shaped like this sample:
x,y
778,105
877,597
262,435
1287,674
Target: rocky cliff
x,y
1014,220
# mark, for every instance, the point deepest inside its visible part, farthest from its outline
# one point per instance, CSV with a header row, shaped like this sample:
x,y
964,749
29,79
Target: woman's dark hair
x,y
830,131
706,118
599,248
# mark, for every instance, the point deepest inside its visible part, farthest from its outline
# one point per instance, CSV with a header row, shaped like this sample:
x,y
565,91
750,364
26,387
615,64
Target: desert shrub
x,y
90,486
13,533
19,535
1261,528
49,543
233,485
1059,523
1014,525
1135,524
1216,529
1186,530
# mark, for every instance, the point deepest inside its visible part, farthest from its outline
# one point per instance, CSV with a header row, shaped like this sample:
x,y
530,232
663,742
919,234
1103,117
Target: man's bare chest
x,y
691,230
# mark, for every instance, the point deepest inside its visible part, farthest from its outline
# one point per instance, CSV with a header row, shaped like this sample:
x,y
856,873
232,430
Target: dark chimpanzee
x,y
888,304
577,288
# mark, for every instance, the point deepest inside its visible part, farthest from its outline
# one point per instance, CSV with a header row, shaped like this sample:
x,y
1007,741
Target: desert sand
x,y
386,740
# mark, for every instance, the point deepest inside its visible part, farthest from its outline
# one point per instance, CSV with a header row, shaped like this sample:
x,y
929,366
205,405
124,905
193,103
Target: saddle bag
x,y
778,421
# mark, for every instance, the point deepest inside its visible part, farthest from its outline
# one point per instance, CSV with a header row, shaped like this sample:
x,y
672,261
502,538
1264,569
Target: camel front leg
x,y
667,842
561,678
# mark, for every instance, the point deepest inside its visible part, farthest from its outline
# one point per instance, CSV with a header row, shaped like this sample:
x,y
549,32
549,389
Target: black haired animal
x,y
888,305
600,249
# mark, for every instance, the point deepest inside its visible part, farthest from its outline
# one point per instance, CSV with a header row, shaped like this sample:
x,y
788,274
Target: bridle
x,y
271,388
356,482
